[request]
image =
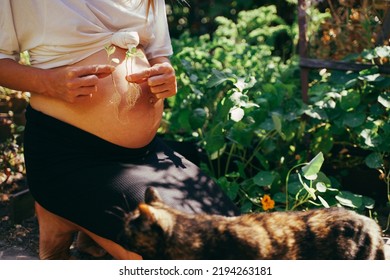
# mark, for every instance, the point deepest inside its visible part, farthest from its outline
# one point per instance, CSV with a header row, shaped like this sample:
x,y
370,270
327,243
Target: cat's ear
x,y
146,212
151,195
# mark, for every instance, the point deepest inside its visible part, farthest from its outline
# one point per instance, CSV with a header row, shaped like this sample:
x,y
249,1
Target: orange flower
x,y
267,202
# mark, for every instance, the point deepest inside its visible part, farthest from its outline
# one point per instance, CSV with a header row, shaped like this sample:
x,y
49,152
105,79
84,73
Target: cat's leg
x,y
55,235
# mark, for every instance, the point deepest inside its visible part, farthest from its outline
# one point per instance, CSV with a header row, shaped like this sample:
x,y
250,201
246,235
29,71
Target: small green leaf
x,y
110,49
311,170
323,202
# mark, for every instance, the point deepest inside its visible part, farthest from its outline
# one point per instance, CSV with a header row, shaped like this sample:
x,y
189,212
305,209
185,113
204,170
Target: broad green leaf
x,y
198,118
219,77
294,187
241,134
374,160
263,178
230,188
279,197
354,119
349,199
215,140
322,140
349,100
311,170
246,207
277,120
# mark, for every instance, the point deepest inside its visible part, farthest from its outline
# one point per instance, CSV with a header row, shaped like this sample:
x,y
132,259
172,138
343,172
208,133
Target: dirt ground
x,y
20,242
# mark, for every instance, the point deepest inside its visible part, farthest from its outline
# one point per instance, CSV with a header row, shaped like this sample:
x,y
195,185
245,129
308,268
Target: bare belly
x,y
101,115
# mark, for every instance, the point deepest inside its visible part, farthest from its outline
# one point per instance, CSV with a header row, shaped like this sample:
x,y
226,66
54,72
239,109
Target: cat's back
x,y
333,233
339,233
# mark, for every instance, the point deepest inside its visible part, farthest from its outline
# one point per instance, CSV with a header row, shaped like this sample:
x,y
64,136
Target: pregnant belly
x,y
111,112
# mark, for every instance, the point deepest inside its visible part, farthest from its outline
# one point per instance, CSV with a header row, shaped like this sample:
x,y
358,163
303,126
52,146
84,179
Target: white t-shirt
x,y
62,32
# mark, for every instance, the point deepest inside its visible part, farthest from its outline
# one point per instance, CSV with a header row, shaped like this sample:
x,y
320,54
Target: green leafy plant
x,y
242,105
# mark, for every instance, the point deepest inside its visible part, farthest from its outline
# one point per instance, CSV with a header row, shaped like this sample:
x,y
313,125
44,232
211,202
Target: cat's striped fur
x,y
157,231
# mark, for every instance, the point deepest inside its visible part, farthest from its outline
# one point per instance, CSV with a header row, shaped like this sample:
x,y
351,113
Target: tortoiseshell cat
x,y
157,231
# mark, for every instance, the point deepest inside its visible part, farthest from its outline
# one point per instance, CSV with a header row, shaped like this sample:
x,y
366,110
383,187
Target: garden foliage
x,y
242,105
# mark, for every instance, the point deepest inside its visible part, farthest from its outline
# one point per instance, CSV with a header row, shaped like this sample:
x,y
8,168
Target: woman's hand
x,y
74,83
160,77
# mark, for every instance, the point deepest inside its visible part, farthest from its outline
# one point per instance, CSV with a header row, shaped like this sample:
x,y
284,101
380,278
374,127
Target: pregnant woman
x,y
98,78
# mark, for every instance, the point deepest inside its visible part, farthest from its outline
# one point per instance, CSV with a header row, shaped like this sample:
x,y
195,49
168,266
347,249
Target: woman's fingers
x,y
160,77
71,83
99,71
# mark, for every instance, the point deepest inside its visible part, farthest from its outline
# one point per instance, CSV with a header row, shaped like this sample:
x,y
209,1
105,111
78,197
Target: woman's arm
x,y
160,76
66,83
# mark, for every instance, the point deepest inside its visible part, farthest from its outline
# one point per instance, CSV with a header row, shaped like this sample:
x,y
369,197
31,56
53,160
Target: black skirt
x,y
86,179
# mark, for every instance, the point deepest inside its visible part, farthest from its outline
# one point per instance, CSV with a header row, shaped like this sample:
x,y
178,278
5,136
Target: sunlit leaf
x,y
384,99
323,202
321,187
311,170
219,77
349,199
236,114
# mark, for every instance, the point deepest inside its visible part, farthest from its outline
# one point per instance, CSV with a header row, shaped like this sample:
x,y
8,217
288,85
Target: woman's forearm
x,y
21,77
65,83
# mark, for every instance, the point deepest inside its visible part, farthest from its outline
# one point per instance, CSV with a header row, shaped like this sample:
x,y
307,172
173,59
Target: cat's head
x,y
148,225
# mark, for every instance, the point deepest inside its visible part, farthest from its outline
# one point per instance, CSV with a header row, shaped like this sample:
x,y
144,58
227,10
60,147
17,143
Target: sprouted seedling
x,y
132,53
116,98
133,89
